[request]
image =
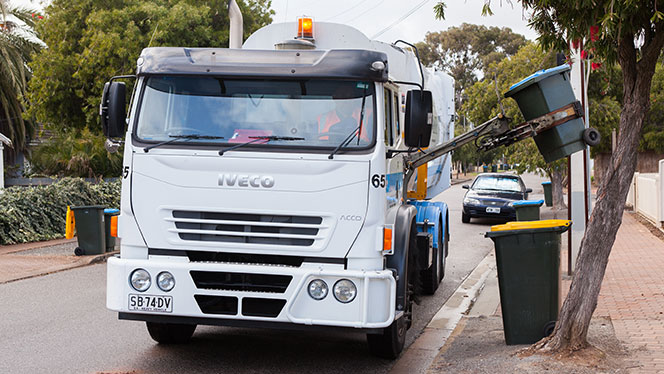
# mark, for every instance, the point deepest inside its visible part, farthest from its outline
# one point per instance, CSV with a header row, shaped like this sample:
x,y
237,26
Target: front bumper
x,y
373,307
479,211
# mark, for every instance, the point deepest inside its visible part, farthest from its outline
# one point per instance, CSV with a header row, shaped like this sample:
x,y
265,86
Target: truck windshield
x,y
322,112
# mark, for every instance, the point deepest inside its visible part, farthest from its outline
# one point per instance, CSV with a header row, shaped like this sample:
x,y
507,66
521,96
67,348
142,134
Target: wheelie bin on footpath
x,y
546,91
548,193
108,218
528,264
527,210
89,229
494,168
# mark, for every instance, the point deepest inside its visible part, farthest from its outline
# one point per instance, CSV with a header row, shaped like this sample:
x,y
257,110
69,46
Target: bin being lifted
x,y
553,119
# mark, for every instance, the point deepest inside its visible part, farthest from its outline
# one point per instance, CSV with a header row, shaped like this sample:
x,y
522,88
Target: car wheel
x,y
465,218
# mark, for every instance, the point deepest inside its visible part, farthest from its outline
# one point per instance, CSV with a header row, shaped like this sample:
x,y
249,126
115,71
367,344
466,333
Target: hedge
x,y
29,214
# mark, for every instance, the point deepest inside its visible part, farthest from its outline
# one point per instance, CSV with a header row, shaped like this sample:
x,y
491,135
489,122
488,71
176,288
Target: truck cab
x,y
263,186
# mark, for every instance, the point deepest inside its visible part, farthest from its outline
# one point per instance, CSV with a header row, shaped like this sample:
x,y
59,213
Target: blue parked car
x,y
491,196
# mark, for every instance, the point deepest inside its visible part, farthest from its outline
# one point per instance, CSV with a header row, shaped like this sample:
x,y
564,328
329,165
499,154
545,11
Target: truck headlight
x,y
140,280
318,289
165,281
345,291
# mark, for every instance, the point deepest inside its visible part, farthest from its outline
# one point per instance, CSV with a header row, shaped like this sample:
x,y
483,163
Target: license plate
x,y
491,209
151,303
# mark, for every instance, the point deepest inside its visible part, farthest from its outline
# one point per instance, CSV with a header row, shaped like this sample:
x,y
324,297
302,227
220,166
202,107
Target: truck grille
x,y
228,305
221,280
268,229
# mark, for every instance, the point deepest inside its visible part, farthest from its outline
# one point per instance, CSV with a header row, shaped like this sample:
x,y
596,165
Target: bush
x,y
29,214
75,153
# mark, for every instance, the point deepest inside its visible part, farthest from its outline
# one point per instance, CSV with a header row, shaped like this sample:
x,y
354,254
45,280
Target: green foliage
x,y
76,153
653,128
17,44
604,116
91,40
466,51
30,214
483,103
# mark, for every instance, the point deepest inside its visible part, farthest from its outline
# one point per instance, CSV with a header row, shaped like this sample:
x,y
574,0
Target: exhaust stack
x,y
236,29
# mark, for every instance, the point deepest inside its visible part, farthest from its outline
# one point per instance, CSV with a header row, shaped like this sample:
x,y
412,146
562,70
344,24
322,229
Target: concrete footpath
x,y
627,326
27,260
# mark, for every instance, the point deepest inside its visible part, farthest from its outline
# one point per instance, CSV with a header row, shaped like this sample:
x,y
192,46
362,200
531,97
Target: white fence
x,y
646,194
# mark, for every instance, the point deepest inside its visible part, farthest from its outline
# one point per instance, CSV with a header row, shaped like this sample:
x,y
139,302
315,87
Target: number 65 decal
x,y
378,180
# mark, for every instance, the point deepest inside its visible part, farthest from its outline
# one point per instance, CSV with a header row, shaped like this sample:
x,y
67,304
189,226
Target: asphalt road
x,y
59,324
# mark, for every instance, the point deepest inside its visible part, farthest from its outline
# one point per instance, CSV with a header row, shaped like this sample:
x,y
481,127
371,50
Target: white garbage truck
x,y
266,184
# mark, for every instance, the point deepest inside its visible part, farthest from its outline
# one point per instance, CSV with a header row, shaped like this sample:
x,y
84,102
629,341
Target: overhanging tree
x,y
91,40
631,33
17,43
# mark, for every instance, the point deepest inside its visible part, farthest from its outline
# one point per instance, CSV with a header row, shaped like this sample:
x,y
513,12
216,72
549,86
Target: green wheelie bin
x,y
109,239
527,210
528,264
548,193
546,91
89,229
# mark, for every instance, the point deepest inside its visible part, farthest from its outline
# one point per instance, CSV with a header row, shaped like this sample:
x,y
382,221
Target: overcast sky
x,y
372,16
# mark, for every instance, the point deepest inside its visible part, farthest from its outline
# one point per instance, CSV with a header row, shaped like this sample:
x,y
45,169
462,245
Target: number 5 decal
x,y
125,172
378,180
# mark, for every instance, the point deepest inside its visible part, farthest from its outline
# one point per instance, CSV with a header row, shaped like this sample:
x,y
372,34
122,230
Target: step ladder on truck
x,y
283,183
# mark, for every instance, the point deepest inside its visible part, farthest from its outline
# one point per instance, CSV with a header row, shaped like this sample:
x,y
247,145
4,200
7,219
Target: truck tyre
x,y
431,276
390,342
170,333
444,253
465,218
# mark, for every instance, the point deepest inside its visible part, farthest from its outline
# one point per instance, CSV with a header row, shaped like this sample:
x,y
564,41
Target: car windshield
x,y
497,183
322,112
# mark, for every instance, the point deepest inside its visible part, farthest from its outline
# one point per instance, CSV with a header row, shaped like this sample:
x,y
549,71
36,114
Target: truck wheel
x,y
170,333
444,253
465,218
431,276
390,342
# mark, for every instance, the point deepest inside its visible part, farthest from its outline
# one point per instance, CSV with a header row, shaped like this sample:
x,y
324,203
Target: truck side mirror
x,y
418,119
465,187
529,190
113,109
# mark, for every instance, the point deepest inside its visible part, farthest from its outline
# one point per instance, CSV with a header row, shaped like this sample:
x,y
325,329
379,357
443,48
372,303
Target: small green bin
x,y
89,229
110,240
527,210
541,93
528,264
548,193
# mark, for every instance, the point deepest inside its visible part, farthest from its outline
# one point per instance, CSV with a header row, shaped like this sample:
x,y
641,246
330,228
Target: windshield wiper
x,y
180,137
356,131
257,139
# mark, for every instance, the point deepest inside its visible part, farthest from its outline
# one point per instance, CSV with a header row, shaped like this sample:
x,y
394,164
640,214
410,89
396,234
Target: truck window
x,y
323,112
396,114
389,134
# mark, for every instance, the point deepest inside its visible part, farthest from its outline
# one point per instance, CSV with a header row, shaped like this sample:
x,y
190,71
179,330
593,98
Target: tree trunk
x,y
572,327
558,198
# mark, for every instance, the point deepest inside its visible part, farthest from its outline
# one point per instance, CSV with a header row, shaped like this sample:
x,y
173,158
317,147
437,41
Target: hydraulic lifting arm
x,y
489,135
